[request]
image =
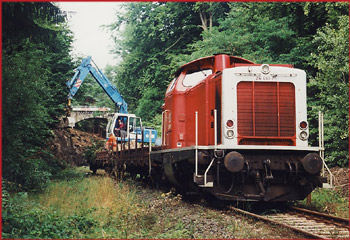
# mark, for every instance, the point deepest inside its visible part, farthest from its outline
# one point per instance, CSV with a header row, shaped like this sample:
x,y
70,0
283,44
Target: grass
x,y
328,201
80,205
73,206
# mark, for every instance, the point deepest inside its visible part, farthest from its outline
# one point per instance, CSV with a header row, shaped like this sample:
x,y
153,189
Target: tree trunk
x,y
204,20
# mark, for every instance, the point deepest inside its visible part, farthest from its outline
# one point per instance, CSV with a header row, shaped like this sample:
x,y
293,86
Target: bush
x,y
24,218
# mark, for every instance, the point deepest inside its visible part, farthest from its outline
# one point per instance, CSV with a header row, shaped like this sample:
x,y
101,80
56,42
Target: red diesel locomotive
x,y
239,131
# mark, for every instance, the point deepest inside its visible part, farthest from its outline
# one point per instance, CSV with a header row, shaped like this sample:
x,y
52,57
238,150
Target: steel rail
x,y
343,221
298,222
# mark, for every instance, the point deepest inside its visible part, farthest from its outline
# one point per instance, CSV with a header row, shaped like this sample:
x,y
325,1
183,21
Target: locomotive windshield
x,y
194,77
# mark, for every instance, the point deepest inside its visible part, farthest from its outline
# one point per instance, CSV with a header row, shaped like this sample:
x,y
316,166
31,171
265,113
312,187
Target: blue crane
x,y
132,124
81,73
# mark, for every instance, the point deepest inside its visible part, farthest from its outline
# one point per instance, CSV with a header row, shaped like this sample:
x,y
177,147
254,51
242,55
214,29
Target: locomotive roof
x,y
233,59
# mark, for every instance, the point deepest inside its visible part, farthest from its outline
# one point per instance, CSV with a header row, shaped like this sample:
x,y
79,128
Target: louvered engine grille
x,y
266,110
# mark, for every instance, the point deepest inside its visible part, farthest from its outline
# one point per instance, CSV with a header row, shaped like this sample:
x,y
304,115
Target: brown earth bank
x,y
341,180
71,145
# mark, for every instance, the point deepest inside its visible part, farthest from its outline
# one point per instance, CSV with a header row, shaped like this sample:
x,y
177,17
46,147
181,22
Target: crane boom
x,y
81,73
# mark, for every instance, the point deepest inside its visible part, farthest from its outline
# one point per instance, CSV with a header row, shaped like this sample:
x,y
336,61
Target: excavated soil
x,y
341,180
71,145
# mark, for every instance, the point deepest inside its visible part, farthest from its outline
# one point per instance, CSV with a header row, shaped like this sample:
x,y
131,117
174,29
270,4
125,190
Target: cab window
x,y
172,84
134,124
194,77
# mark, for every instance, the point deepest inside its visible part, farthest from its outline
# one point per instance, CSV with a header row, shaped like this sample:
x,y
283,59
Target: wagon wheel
x,y
93,169
133,175
109,170
122,170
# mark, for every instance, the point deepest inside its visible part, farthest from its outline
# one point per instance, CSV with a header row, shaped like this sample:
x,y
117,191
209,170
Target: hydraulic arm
x,y
81,73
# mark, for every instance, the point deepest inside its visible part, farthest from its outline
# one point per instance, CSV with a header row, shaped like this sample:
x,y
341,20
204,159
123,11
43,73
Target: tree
x,y
210,12
36,61
330,88
155,38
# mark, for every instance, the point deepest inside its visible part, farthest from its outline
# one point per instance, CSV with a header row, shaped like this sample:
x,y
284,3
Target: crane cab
x,y
125,126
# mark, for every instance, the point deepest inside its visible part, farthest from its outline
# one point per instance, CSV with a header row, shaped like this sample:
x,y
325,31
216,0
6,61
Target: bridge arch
x,y
80,113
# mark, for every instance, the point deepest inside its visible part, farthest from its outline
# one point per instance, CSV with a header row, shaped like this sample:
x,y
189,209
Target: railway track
x,y
310,223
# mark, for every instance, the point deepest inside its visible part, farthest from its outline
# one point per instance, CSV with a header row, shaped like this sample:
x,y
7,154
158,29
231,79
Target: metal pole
x,y
162,131
149,154
196,152
320,139
322,135
215,129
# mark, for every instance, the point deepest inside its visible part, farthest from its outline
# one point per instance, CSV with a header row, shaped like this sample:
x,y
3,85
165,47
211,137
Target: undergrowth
x,y
72,206
328,201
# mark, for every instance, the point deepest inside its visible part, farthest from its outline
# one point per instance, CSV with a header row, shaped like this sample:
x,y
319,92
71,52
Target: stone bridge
x,y
80,113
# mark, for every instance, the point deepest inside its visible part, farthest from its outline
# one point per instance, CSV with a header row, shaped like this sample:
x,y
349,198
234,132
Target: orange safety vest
x,y
109,143
114,143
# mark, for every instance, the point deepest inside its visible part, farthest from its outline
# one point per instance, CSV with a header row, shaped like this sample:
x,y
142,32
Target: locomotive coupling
x,y
234,161
312,163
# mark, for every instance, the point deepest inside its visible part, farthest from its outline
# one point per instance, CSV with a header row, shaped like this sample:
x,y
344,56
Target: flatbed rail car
x,y
128,155
236,130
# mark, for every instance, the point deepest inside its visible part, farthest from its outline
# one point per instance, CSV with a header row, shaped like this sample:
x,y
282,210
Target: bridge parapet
x,y
90,109
80,113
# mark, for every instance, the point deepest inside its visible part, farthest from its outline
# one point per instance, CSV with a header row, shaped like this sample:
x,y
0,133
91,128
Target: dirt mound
x,y
71,144
341,180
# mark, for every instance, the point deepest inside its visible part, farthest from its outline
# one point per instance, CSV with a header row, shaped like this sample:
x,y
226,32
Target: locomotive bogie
x,y
252,175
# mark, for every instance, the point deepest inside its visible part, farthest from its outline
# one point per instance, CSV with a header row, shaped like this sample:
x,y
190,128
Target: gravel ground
x,y
168,216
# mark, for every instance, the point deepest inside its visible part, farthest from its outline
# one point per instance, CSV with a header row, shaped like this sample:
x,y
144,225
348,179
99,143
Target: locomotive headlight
x,y
303,135
229,133
303,125
265,68
229,123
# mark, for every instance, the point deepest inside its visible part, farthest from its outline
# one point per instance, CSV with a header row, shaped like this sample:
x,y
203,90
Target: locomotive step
x,y
199,179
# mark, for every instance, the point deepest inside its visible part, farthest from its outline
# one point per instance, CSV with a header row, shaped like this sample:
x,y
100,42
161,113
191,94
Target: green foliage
x,y
35,58
249,33
149,103
73,206
154,35
330,88
90,151
155,122
24,218
180,230
329,201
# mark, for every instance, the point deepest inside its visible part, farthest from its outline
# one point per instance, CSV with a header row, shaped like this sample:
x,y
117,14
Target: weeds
x,y
72,207
179,231
329,201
